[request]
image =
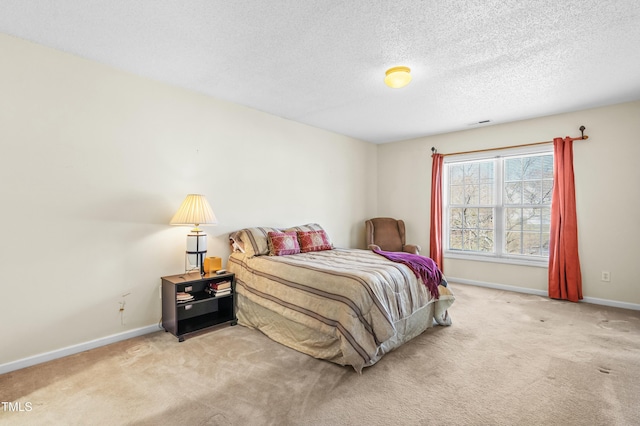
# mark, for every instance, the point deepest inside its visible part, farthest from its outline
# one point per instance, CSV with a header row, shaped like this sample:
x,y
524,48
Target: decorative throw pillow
x,y
309,227
313,241
254,240
283,243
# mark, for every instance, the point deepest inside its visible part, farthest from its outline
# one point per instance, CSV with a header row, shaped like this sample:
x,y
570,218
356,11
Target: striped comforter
x,y
367,303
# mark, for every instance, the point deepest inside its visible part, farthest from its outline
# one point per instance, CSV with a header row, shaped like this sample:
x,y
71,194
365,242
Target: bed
x,y
347,306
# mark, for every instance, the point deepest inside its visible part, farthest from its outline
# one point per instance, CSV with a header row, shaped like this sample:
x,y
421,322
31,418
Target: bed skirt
x,y
321,345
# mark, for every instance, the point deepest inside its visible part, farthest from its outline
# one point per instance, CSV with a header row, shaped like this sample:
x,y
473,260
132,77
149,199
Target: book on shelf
x,y
220,285
222,292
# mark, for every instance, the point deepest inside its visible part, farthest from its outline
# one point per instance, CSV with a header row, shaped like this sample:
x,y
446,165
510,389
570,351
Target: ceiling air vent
x,y
479,122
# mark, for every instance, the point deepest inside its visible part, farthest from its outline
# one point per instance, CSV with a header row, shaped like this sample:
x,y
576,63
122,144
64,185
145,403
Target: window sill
x,y
542,263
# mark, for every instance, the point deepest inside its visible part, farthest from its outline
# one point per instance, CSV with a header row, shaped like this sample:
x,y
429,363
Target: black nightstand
x,y
181,318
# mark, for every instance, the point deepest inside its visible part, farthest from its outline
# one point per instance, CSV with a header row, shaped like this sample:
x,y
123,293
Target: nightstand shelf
x,y
203,311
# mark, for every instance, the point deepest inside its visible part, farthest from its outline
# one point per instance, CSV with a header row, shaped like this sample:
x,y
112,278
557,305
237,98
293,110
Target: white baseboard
x,y
74,349
594,300
612,303
497,286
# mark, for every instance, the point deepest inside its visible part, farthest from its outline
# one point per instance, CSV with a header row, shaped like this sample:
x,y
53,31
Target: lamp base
x,y
196,251
190,266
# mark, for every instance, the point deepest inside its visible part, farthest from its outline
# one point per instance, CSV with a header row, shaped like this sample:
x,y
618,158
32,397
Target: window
x,y
499,208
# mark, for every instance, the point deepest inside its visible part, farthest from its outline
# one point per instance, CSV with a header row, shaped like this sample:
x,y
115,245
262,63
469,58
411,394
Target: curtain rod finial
x,y
581,128
433,150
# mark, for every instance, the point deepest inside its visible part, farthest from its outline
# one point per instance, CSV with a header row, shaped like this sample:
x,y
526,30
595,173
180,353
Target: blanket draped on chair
x,y
424,268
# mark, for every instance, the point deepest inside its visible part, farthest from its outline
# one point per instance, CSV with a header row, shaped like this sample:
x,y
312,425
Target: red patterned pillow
x,y
283,243
314,241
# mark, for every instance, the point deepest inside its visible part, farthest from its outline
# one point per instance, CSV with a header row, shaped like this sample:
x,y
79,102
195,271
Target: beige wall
x,y
96,161
607,177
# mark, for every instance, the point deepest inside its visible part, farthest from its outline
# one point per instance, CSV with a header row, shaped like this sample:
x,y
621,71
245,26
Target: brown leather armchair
x,y
387,234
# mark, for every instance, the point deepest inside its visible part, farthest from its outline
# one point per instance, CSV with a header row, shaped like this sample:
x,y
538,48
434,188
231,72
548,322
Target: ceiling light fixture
x,y
397,77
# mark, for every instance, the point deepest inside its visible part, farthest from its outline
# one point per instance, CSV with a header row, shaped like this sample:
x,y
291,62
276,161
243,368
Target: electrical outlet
x,y
606,276
160,292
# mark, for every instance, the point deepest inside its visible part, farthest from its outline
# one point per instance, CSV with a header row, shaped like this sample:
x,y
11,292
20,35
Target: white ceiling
x,y
322,62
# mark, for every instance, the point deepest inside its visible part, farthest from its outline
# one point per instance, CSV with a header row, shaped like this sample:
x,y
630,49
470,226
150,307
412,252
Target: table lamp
x,y
196,211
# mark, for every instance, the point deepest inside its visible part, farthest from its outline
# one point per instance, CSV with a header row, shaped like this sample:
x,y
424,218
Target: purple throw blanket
x,y
424,268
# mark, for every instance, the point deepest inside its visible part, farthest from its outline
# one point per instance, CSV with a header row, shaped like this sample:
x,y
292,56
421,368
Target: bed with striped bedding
x,y
346,306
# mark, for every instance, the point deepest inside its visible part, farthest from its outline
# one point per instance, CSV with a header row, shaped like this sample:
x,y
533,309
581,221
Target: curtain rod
x,y
435,151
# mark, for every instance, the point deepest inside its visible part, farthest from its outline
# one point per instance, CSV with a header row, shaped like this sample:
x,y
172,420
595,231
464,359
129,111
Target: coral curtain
x,y
565,278
435,241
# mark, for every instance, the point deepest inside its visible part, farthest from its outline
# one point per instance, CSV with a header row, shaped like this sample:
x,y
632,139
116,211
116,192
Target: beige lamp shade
x,y
195,210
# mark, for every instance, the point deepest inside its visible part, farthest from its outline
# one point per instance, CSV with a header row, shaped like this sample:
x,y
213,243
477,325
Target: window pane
x,y
455,174
547,191
532,168
531,219
531,243
455,240
470,218
485,218
471,173
513,169
470,240
486,172
512,245
513,219
532,192
472,194
457,194
455,218
486,194
485,241
545,217
513,193
544,251
547,166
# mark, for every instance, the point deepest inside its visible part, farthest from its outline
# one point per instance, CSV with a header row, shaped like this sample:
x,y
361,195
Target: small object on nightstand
x,y
212,264
221,272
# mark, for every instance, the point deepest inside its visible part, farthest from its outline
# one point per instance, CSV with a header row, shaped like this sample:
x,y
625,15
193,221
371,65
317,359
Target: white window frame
x,y
497,256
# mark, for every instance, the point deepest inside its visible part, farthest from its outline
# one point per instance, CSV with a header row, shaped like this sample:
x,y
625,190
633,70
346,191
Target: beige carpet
x,y
508,359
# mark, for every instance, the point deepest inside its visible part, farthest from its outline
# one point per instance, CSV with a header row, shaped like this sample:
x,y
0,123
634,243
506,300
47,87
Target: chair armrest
x,y
412,248
373,247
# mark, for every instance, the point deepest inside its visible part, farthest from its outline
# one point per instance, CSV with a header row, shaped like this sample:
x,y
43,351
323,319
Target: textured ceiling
x,y
322,62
